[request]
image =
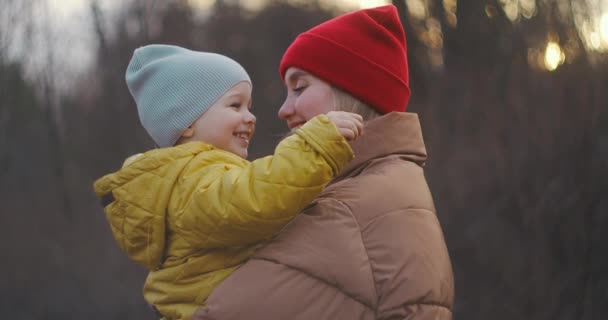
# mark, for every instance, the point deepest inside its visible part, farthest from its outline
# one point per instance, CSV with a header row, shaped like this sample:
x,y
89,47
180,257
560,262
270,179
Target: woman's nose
x,y
286,110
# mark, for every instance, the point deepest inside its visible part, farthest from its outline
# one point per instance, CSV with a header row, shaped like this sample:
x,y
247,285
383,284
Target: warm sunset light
x,y
554,56
202,4
514,9
604,28
363,4
417,8
258,4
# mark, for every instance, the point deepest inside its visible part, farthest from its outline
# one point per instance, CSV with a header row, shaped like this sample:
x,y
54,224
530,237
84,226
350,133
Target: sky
x,y
67,7
72,28
69,29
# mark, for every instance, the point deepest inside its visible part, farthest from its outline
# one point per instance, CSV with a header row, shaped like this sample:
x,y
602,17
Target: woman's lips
x,y
295,125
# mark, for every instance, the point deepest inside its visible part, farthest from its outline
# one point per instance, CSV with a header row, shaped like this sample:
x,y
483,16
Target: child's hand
x,y
350,125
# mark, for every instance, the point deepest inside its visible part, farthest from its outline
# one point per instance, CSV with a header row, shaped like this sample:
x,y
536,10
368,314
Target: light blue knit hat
x,y
174,86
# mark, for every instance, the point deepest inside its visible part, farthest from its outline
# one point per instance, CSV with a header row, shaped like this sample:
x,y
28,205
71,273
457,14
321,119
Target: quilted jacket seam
x,y
369,262
430,304
320,280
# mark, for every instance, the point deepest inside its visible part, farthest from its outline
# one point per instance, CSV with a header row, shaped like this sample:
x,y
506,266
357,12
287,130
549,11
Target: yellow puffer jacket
x,y
192,214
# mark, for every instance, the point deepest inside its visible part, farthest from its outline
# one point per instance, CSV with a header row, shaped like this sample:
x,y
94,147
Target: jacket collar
x,y
395,133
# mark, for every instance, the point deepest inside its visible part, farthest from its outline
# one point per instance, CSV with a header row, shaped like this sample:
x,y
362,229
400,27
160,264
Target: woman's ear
x,y
188,133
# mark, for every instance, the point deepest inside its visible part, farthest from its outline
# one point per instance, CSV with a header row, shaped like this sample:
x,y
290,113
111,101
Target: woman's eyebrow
x,y
295,75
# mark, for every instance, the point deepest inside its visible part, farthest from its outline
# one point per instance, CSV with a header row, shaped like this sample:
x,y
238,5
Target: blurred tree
x,y
33,186
526,152
19,116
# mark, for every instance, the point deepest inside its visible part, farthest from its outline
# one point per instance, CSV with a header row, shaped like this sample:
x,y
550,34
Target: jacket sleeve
x,y
248,203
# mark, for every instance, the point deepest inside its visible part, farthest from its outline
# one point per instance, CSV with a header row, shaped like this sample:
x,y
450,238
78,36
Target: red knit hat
x,y
363,53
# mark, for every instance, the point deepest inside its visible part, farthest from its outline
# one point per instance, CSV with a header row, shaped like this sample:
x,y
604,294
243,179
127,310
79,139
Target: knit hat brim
x,y
362,53
390,91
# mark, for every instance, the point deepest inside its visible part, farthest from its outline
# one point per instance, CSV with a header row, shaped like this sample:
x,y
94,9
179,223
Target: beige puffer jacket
x,y
370,247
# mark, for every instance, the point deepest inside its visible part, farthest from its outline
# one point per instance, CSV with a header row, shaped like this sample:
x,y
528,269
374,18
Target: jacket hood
x,y
136,199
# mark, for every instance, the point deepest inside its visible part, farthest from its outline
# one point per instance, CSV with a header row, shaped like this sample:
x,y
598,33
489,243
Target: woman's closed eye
x,y
298,90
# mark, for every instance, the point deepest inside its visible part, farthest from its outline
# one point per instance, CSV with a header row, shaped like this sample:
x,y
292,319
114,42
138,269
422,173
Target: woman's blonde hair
x,y
346,102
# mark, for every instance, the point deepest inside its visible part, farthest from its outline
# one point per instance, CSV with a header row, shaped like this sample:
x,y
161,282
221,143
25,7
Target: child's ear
x,y
188,133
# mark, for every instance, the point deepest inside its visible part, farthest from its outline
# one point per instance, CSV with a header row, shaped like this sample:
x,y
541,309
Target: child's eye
x,y
235,105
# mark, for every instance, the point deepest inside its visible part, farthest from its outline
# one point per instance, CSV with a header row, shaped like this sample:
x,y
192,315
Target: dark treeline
x,y
518,155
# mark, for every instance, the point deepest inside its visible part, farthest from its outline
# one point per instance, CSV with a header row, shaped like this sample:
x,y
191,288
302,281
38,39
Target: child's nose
x,y
249,117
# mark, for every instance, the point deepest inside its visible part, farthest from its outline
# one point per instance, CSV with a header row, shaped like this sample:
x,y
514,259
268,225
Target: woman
x,y
370,246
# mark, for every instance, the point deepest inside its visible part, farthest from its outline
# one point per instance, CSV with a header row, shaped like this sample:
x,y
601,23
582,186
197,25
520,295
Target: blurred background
x,y
512,96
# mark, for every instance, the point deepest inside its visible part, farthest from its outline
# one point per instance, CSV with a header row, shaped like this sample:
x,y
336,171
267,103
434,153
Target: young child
x,y
194,210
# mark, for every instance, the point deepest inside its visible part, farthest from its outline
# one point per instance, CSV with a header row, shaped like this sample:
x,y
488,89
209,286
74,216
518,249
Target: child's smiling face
x,y
228,124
